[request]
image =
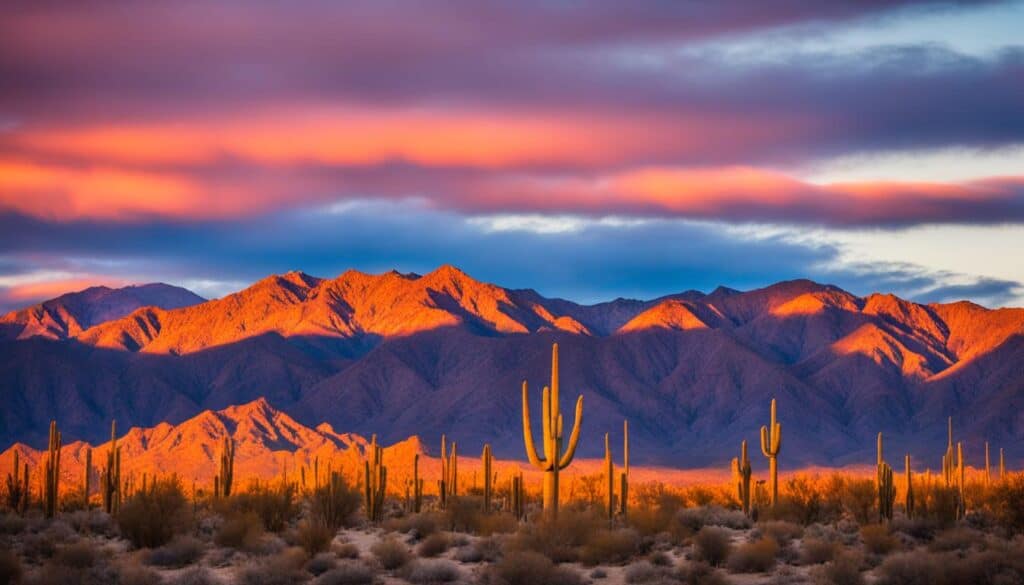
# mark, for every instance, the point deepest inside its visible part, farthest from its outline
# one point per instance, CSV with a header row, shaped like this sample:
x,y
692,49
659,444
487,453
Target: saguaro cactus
x,y
417,485
517,496
988,468
741,473
624,476
110,479
949,459
1002,465
961,499
17,490
87,476
51,482
376,477
488,460
885,485
771,440
449,485
908,501
225,479
609,474
555,459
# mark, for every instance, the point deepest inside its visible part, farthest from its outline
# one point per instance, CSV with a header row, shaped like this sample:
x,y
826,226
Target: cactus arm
x,y
574,437
531,449
764,441
547,419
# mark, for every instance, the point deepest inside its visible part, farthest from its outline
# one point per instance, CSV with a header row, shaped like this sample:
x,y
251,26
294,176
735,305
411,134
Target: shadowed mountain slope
x,y
404,354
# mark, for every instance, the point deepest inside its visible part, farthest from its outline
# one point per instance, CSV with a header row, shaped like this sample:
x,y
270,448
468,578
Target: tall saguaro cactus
x,y
488,460
988,468
1002,465
51,482
448,487
609,475
624,476
771,440
110,479
908,501
376,478
885,485
949,459
555,458
961,499
225,479
417,485
741,472
17,488
87,476
517,496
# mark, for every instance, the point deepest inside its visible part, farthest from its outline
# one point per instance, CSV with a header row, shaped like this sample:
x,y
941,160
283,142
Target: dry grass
x,y
610,547
284,568
529,568
348,573
181,551
878,540
313,536
432,571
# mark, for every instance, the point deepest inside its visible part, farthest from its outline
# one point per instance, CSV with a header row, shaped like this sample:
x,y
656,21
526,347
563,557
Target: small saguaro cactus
x,y
961,499
741,473
624,476
87,476
225,479
555,458
949,459
17,490
609,474
517,496
448,486
51,482
110,479
488,461
1002,465
417,485
908,501
376,477
771,440
988,468
885,485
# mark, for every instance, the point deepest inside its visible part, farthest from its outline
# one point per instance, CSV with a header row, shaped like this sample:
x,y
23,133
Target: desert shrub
x,y
691,520
10,568
91,522
335,503
136,574
391,553
314,537
814,551
434,545
700,574
529,568
346,550
153,517
36,547
180,551
655,511
781,531
877,539
660,559
240,531
433,571
843,570
1007,503
858,498
78,555
347,573
610,547
712,545
484,549
558,538
417,525
754,557
194,576
957,539
321,563
915,528
914,568
936,503
645,572
274,505
598,573
284,568
799,501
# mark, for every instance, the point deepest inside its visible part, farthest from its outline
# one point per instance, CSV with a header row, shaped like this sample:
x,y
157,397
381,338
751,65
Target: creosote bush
x,y
427,572
335,504
843,570
878,540
754,557
182,550
153,517
274,505
240,531
284,568
391,553
529,568
434,545
314,537
347,573
561,538
712,545
610,547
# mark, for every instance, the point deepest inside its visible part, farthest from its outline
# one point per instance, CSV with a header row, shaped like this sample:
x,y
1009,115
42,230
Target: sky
x,y
588,150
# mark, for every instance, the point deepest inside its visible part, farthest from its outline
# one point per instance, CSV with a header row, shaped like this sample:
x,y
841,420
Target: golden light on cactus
x,y
771,440
555,458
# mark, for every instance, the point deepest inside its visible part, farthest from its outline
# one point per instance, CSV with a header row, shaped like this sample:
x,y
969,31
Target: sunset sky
x,y
589,150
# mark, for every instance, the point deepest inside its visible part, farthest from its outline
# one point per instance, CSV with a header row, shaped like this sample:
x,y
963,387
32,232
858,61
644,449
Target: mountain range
x,y
404,355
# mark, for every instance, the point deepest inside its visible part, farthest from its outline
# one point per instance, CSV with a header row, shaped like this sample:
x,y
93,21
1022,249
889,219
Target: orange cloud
x,y
48,289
